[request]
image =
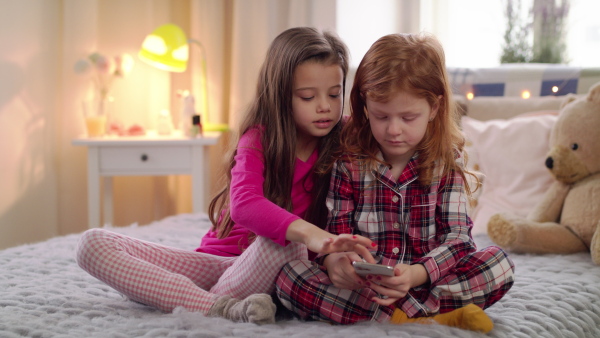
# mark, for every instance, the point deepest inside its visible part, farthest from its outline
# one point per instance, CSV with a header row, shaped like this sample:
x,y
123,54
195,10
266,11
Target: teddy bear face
x,y
575,141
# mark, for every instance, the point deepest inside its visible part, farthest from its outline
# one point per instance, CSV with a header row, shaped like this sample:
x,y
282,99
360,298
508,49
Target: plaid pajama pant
x,y
481,278
165,277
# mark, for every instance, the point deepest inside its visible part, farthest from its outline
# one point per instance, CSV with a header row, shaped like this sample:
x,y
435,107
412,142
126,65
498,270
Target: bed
x,y
43,293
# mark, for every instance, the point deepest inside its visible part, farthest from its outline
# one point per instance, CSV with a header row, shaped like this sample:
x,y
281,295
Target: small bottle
x,y
196,130
188,110
164,124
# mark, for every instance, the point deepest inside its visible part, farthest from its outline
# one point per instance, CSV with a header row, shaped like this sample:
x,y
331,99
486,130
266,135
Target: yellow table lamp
x,y
167,48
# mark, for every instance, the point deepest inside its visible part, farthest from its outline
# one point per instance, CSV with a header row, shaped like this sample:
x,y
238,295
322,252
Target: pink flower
x,y
103,64
104,69
123,64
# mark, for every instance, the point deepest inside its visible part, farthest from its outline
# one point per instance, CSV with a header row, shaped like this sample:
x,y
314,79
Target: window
x,y
471,31
583,33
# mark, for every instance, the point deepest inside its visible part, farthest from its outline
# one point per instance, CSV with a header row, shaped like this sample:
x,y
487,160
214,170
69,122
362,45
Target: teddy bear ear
x,y
594,94
568,99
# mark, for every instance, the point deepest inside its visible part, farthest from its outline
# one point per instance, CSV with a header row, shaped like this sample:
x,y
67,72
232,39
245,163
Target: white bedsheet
x,y
43,293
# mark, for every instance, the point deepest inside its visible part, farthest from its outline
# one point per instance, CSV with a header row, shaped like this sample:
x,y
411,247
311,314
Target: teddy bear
x,y
567,219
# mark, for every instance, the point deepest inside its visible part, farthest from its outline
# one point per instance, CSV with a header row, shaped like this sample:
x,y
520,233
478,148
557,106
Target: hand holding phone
x,y
363,269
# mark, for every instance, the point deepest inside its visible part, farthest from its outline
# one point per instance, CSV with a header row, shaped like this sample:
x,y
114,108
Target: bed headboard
x,y
512,80
514,89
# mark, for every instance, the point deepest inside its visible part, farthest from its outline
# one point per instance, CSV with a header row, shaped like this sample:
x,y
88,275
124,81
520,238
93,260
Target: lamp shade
x,y
166,48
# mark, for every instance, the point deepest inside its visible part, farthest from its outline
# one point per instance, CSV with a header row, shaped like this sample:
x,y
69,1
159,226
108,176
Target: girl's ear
x,y
366,112
435,108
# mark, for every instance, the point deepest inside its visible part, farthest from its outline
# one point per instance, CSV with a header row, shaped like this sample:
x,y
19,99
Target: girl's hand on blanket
x,y
341,272
393,288
320,241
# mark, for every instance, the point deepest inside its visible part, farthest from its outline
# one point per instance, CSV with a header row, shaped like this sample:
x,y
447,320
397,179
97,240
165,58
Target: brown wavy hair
x,y
413,63
272,109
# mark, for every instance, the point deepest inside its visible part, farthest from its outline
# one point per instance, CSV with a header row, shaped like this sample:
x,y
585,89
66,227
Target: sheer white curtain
x,y
236,35
360,23
470,30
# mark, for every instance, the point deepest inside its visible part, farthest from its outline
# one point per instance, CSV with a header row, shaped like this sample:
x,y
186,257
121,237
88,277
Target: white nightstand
x,y
144,156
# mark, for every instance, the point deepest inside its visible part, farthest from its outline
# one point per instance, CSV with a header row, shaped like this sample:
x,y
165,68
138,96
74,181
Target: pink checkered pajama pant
x,y
165,277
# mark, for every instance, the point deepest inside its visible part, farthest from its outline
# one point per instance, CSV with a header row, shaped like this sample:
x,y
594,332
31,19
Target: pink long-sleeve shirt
x,y
250,209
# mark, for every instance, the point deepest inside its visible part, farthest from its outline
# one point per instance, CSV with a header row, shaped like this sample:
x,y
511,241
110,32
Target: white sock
x,y
258,309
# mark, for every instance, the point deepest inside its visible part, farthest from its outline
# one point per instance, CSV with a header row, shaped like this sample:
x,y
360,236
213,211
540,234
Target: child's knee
x,y
503,264
89,242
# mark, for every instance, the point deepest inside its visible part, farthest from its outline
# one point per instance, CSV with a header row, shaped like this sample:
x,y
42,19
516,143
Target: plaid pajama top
x,y
411,223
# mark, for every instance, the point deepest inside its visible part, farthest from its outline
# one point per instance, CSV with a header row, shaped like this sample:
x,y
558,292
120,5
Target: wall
x,y
29,66
44,185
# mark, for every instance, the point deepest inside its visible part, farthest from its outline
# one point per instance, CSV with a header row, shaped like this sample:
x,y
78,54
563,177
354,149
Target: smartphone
x,y
363,269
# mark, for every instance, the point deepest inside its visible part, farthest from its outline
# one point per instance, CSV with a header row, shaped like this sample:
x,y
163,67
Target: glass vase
x,y
96,116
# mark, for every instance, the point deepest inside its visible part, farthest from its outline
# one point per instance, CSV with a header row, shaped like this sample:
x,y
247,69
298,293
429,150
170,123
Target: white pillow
x,y
510,154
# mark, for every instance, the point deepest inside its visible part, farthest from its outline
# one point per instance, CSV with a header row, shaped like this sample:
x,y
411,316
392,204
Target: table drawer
x,y
145,160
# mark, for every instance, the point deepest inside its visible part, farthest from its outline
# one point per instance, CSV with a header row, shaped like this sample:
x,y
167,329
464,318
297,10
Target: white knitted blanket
x,y
43,293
